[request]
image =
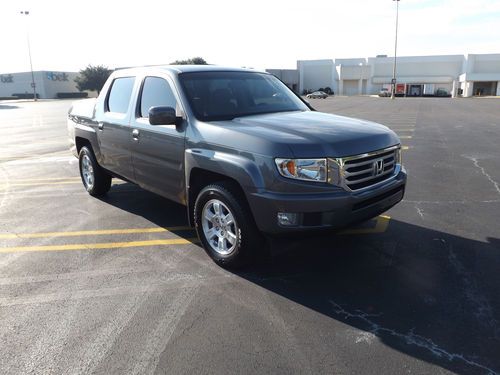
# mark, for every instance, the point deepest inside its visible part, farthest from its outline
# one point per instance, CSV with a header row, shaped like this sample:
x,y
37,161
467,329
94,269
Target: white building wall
x,y
56,82
289,76
480,68
441,71
20,83
48,84
315,74
450,72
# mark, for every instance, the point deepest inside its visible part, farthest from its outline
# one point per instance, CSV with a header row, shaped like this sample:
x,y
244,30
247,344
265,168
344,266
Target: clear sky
x,y
68,35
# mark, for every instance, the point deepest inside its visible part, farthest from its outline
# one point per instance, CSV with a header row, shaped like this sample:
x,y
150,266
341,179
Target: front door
x,y
158,150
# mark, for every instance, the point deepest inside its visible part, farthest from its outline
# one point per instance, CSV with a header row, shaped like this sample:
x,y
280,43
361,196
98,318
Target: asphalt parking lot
x,y
119,285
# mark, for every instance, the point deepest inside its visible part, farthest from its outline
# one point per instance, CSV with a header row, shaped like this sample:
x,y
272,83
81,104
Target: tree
x,y
92,78
193,61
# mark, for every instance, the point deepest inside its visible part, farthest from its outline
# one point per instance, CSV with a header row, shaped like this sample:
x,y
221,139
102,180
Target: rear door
x,y
158,150
113,131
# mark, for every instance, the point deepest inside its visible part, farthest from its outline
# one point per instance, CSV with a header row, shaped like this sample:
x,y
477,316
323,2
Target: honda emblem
x,y
378,167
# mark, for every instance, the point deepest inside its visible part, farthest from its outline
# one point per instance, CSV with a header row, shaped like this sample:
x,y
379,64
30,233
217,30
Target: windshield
x,y
227,95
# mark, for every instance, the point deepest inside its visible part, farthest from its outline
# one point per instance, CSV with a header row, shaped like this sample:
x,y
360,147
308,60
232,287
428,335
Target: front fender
x,y
244,168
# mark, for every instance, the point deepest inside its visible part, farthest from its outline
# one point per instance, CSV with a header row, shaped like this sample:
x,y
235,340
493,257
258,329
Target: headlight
x,y
303,169
399,155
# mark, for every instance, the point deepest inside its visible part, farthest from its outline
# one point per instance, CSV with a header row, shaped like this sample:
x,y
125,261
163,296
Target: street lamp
x,y
33,85
393,81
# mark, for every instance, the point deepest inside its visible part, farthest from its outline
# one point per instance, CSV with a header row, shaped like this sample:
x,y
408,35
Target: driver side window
x,y
155,92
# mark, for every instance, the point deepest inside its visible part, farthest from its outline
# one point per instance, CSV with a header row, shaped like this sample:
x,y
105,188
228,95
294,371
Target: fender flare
x,y
242,169
88,133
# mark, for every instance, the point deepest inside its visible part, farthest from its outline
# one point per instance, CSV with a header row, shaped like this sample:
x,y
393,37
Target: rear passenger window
x,y
156,92
119,96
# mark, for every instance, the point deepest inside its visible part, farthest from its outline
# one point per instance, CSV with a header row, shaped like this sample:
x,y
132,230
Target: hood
x,y
308,134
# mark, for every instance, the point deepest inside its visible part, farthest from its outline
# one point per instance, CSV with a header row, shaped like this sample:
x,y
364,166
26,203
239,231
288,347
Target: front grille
x,y
361,171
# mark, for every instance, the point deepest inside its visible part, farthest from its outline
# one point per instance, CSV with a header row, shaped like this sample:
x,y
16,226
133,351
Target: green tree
x,y
193,61
92,78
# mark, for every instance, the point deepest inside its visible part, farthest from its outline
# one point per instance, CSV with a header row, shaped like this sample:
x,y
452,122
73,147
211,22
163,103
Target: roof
x,y
176,69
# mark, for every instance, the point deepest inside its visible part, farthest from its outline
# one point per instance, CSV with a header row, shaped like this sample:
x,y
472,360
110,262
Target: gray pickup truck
x,y
240,150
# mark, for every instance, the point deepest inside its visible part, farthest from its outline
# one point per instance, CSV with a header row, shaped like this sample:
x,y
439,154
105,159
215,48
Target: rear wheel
x,y
225,226
96,180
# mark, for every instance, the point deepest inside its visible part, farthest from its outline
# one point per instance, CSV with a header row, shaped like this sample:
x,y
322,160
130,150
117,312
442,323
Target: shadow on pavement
x,y
431,295
4,106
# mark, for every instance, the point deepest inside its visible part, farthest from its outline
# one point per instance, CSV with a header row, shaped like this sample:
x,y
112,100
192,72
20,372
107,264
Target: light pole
x,y
26,13
393,81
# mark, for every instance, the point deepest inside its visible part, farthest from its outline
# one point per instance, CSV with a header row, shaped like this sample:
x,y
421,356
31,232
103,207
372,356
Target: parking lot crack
x,y
482,307
420,211
409,338
483,171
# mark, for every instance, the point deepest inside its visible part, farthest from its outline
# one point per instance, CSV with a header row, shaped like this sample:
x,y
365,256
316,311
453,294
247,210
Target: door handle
x,y
135,134
100,125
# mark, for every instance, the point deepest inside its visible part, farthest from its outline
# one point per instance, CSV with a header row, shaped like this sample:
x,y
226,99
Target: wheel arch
x,y
207,167
200,178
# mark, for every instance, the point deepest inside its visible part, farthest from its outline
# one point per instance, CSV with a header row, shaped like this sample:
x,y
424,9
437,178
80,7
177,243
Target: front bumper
x,y
332,210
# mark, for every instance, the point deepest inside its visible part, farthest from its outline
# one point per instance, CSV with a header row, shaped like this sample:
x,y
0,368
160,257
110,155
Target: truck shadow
x,y
429,294
5,106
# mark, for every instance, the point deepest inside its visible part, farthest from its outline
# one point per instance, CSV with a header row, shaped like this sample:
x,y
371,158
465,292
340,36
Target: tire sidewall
x,y
85,151
102,180
241,253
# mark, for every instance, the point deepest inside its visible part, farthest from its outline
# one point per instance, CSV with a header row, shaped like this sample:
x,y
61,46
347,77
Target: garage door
x,y
351,87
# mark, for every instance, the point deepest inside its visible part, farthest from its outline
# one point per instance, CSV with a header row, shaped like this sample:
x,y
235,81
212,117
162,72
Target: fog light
x,y
288,219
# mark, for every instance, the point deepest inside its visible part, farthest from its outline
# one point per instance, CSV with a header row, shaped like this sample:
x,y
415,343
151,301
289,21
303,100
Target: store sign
x,y
53,76
7,78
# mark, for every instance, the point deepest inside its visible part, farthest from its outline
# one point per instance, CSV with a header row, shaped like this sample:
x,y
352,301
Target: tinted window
x,y
156,92
226,95
119,96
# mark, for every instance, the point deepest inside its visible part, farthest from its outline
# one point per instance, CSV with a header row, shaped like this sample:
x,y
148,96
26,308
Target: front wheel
x,y
225,225
97,181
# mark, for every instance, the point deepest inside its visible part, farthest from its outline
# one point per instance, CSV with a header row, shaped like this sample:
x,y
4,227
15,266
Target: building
x,y
480,75
458,75
48,84
289,77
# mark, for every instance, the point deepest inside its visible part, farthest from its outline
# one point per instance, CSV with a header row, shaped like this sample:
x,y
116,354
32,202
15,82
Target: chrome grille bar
x,y
361,171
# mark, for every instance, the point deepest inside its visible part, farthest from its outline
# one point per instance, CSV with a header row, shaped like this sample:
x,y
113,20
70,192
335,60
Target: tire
x,y
233,244
96,180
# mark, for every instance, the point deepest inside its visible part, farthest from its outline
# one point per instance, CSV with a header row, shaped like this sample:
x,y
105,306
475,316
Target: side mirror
x,y
162,116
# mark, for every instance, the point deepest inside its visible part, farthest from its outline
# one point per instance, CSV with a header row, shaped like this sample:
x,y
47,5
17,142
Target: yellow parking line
x,y
92,232
404,148
96,246
405,136
403,130
380,227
